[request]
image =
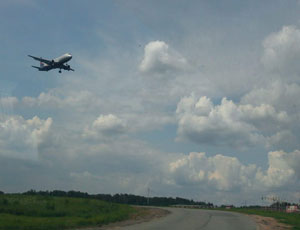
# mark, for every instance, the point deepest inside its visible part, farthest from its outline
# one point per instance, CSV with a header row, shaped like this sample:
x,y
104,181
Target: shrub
x,y
50,206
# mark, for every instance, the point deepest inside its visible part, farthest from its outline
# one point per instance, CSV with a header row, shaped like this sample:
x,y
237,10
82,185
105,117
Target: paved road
x,y
186,219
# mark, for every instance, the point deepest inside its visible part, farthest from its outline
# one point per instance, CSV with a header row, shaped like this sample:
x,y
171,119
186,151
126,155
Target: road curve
x,y
195,219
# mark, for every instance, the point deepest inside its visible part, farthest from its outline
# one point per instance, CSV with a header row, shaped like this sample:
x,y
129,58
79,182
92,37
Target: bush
x,y
4,201
50,206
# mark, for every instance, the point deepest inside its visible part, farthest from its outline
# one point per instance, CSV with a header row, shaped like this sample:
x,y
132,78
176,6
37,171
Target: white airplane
x,y
57,63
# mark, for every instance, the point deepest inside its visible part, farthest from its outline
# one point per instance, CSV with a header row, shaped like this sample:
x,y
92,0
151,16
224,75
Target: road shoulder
x,y
143,214
269,223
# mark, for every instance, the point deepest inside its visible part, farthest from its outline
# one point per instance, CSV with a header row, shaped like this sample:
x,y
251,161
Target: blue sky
x,y
190,99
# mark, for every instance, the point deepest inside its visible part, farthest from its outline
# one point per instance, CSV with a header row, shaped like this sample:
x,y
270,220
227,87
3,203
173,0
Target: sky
x,y
196,99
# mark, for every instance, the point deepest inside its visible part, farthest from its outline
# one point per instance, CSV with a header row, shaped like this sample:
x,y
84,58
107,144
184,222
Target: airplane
x,y
57,63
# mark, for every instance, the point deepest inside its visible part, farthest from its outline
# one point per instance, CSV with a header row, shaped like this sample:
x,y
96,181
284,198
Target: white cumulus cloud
x,y
278,94
282,52
231,124
283,97
282,170
225,173
20,138
105,125
160,58
220,172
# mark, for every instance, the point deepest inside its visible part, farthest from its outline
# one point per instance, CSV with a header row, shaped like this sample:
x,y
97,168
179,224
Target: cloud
x,y
105,126
8,101
292,159
282,52
219,172
160,59
110,164
20,138
283,169
227,124
57,99
7,105
283,97
223,173
85,94
277,94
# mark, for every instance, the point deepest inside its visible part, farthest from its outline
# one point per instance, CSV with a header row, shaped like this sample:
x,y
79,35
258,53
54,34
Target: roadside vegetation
x,y
43,210
40,212
292,219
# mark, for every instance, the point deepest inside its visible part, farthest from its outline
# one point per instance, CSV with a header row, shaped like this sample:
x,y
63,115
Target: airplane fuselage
x,y
63,59
57,63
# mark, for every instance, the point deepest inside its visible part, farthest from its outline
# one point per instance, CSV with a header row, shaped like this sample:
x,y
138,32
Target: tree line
x,y
122,198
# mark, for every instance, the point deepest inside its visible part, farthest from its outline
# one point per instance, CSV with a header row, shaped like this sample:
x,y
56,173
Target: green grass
x,y
20,212
292,219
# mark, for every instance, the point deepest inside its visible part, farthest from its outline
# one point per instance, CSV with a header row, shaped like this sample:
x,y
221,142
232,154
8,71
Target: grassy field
x,y
47,212
292,219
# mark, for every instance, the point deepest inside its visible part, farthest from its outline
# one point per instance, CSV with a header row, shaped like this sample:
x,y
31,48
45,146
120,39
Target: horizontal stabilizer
x,y
36,67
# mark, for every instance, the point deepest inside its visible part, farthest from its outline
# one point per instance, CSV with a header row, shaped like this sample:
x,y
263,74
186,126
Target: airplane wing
x,y
48,62
67,67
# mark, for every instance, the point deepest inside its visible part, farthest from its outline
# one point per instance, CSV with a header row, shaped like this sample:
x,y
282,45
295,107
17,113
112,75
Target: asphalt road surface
x,y
195,219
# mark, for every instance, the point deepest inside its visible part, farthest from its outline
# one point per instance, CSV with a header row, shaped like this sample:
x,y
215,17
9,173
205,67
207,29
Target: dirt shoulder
x,y
142,215
269,223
